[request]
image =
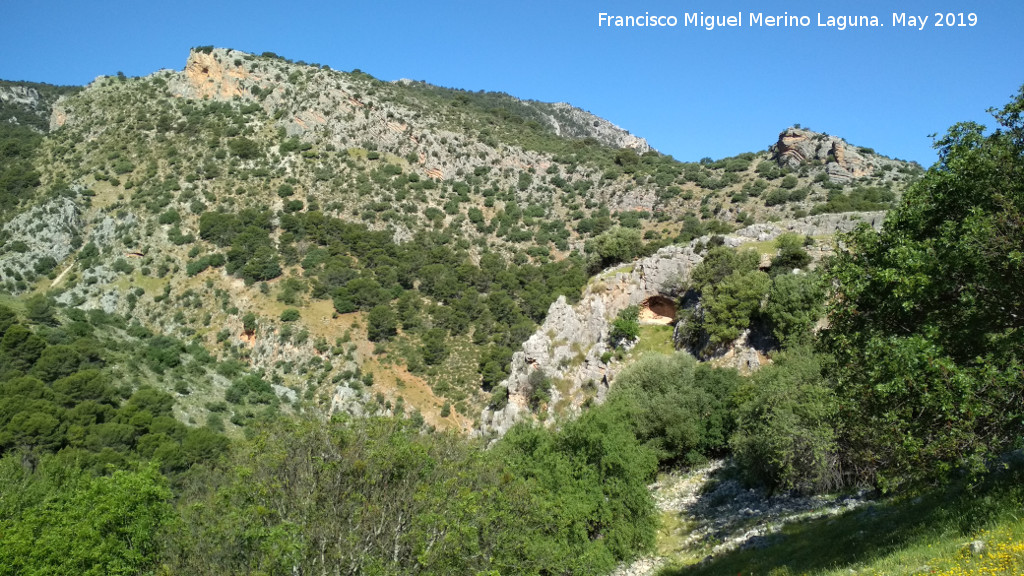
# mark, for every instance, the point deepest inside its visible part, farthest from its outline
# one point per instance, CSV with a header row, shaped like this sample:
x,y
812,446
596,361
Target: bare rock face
x,y
818,225
569,345
582,124
44,233
842,161
212,75
23,95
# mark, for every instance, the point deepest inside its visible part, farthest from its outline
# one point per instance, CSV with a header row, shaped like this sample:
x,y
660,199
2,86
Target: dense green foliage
x,y
680,409
97,477
785,418
58,520
378,497
858,199
18,177
735,296
926,323
795,303
625,326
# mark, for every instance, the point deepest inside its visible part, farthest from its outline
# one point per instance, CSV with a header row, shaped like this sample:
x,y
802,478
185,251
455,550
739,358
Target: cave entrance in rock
x,y
658,310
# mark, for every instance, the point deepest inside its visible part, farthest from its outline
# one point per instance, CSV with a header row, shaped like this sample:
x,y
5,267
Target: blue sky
x,y
690,92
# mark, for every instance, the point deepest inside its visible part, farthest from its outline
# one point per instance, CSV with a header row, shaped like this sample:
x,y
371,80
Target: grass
x,y
926,533
672,531
654,338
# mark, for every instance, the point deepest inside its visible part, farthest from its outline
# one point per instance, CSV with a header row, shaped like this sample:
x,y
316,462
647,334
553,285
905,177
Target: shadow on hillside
x,y
871,532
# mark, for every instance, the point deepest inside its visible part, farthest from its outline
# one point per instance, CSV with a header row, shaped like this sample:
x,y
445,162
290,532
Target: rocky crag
x,y
570,346
29,104
843,162
36,240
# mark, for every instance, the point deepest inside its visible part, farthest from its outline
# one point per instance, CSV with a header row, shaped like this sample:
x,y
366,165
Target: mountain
x,y
264,316
419,233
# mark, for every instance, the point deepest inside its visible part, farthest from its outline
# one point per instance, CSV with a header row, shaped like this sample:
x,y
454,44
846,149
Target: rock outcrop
x,y
38,240
29,103
569,345
571,122
210,75
842,161
21,95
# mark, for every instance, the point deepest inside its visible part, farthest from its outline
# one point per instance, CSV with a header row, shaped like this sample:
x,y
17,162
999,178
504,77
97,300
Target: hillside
x,y
264,317
334,193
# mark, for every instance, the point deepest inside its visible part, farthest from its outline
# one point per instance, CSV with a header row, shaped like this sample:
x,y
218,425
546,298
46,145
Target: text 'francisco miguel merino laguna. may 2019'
x,y
787,20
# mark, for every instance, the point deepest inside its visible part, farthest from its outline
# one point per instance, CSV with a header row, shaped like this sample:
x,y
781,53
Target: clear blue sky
x,y
691,92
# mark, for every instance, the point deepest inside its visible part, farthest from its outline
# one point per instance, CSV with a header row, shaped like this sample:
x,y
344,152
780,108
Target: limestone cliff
x,y
569,345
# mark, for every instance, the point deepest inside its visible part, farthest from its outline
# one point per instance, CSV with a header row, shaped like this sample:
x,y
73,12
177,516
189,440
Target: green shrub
x,y
730,304
626,326
795,303
381,323
677,407
785,426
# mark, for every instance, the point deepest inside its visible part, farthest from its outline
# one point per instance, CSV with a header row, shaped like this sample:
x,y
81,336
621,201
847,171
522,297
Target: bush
x,y
795,303
170,217
626,326
677,407
791,253
122,266
590,478
540,388
499,398
249,323
244,148
290,315
617,245
730,304
785,436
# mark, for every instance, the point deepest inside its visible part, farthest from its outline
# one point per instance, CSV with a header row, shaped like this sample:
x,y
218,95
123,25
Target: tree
x,y
795,303
926,322
7,319
591,475
56,362
244,148
435,350
249,323
730,304
106,525
39,309
20,348
617,245
720,262
791,254
381,323
677,408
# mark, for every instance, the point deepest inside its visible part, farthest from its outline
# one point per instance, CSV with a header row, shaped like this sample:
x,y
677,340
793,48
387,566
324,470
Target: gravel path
x,y
719,514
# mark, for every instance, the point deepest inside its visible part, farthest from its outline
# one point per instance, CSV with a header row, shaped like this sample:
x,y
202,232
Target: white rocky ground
x,y
717,514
